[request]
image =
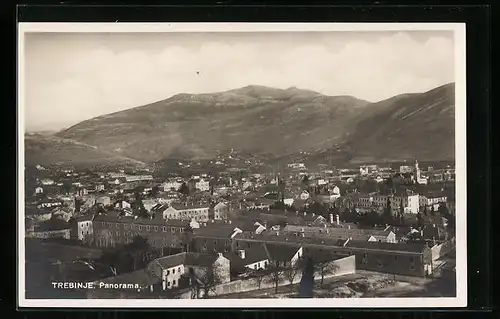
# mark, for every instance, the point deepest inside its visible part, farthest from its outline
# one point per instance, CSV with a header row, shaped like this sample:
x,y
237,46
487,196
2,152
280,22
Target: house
x,y
103,200
47,181
123,204
82,228
49,203
313,219
304,195
62,213
221,210
387,236
172,185
187,212
138,178
202,185
254,258
288,200
189,268
115,229
214,237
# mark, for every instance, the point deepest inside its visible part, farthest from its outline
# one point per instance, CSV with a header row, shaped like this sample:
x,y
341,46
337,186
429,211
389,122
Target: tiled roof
x,y
400,247
188,207
197,259
255,254
220,233
279,252
171,261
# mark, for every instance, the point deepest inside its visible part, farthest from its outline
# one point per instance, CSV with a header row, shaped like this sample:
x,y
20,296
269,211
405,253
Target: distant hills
x,y
52,150
268,120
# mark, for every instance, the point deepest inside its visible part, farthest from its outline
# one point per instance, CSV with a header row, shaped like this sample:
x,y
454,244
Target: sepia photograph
x,y
241,165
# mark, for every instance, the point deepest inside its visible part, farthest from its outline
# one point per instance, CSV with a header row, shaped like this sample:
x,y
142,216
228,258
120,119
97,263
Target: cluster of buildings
x,y
247,222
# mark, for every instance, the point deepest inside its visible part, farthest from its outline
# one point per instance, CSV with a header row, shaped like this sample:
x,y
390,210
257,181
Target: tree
x,y
442,209
291,273
324,268
138,207
387,213
204,282
137,250
184,189
420,220
425,212
259,275
275,274
305,180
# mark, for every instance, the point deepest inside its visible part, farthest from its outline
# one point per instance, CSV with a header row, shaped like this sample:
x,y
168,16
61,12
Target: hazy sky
x,y
73,77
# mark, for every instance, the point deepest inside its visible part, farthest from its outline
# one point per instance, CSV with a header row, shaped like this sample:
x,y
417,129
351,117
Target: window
x,y
173,229
173,283
265,264
116,225
254,266
164,228
168,272
148,227
117,233
380,264
168,283
173,271
156,228
179,269
412,268
412,259
140,227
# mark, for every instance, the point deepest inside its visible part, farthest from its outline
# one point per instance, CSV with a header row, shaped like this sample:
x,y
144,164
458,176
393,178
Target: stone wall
x,y
345,265
440,250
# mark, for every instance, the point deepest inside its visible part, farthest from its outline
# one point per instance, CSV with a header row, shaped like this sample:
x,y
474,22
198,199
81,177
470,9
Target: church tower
x,y
417,171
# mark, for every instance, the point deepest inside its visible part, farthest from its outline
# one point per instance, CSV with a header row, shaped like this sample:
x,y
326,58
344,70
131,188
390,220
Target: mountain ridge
x,y
278,121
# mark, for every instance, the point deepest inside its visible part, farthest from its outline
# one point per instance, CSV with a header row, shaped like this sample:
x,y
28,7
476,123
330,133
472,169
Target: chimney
x,y
305,213
219,255
241,253
331,218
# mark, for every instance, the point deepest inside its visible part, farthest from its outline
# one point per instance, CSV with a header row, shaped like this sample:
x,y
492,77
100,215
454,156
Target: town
x,y
242,231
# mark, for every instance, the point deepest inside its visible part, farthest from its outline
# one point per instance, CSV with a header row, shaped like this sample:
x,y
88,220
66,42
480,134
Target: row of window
x,y
143,227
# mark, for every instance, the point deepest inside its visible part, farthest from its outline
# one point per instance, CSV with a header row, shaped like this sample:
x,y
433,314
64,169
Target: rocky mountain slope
x,y
268,120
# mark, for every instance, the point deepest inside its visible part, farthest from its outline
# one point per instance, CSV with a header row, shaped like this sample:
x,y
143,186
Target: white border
x,y
460,162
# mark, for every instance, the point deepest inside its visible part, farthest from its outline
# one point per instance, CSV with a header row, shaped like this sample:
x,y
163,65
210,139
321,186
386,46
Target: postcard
x,y
252,165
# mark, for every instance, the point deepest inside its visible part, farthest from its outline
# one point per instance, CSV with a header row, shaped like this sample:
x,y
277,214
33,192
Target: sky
x,y
71,77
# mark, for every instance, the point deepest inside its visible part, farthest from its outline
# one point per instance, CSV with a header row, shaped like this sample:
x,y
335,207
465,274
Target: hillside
x,y
253,118
407,126
265,120
51,150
